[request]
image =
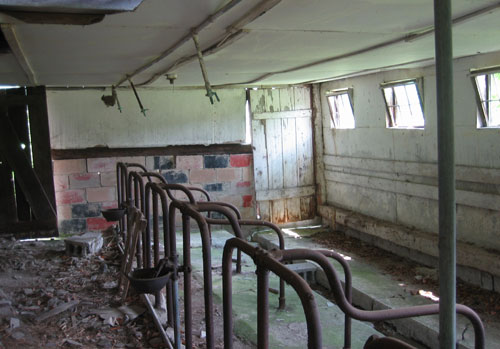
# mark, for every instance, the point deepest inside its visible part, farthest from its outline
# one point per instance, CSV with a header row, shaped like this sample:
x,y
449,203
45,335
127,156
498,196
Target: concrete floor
x,y
371,290
288,326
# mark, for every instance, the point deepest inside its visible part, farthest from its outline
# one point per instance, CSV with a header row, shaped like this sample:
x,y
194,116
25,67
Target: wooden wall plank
x,y
103,152
264,210
287,102
305,151
259,155
284,193
258,101
289,139
302,98
292,210
274,153
307,208
283,114
278,211
272,100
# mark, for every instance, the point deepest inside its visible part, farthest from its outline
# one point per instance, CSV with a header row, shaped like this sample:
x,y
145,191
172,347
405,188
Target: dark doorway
x,y
27,198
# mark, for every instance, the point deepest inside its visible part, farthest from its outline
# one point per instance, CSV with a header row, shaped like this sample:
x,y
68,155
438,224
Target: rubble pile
x,y
51,300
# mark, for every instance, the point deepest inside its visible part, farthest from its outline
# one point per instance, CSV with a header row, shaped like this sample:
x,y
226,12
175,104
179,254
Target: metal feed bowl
x,y
144,280
113,214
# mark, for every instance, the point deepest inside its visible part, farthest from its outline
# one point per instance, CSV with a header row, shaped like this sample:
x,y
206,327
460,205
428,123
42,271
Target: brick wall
x,y
84,187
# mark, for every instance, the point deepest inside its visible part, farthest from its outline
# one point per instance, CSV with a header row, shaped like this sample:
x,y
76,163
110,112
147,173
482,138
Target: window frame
x,y
482,118
390,118
337,92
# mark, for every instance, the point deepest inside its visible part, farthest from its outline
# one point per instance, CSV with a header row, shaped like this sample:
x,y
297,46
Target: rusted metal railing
x,y
273,261
122,191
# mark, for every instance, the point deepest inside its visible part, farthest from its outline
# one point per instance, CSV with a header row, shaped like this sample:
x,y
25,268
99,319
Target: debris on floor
x,y
51,300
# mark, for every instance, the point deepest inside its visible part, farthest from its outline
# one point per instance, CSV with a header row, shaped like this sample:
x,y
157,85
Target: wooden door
x,y
283,154
27,198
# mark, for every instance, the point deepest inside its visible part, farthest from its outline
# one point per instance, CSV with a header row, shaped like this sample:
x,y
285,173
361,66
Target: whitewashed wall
x,y
391,174
79,119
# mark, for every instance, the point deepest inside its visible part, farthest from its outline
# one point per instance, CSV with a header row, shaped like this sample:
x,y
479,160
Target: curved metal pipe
x,y
377,315
169,187
207,262
222,208
281,244
264,259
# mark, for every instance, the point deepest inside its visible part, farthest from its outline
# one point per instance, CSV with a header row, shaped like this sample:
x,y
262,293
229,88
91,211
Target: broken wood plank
x,y
57,310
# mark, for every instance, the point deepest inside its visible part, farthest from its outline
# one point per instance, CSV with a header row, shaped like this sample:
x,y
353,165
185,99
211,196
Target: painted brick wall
x,y
84,187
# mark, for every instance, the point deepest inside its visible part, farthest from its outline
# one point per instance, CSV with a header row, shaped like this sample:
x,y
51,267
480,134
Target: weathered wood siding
x,y
283,154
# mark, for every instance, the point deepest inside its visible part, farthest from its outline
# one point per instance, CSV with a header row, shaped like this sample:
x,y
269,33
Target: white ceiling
x,y
270,50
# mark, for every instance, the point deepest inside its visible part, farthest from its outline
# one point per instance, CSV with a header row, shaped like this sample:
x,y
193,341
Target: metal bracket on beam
x,y
210,93
143,111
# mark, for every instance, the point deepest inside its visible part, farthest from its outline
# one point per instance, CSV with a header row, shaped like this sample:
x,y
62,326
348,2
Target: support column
x,y
446,170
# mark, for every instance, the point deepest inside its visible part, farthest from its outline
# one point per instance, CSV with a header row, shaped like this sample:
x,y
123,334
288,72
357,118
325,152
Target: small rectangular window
x,y
341,111
403,104
487,83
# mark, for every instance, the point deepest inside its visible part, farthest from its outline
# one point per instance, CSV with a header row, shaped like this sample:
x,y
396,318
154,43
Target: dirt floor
x,y
51,300
485,303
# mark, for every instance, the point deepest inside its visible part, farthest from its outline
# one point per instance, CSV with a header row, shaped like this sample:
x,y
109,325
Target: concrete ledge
x,y
475,264
374,291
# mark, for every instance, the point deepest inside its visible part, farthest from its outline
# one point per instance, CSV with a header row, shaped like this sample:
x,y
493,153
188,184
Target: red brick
x,y
101,165
202,176
240,160
247,200
228,174
98,223
61,182
103,194
189,162
76,196
84,180
69,166
108,179
245,184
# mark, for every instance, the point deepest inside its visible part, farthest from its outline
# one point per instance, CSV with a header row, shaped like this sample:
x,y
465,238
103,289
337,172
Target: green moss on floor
x,y
287,327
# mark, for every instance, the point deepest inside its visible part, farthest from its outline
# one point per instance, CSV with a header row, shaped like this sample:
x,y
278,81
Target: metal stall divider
x,y
192,209
123,193
273,261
